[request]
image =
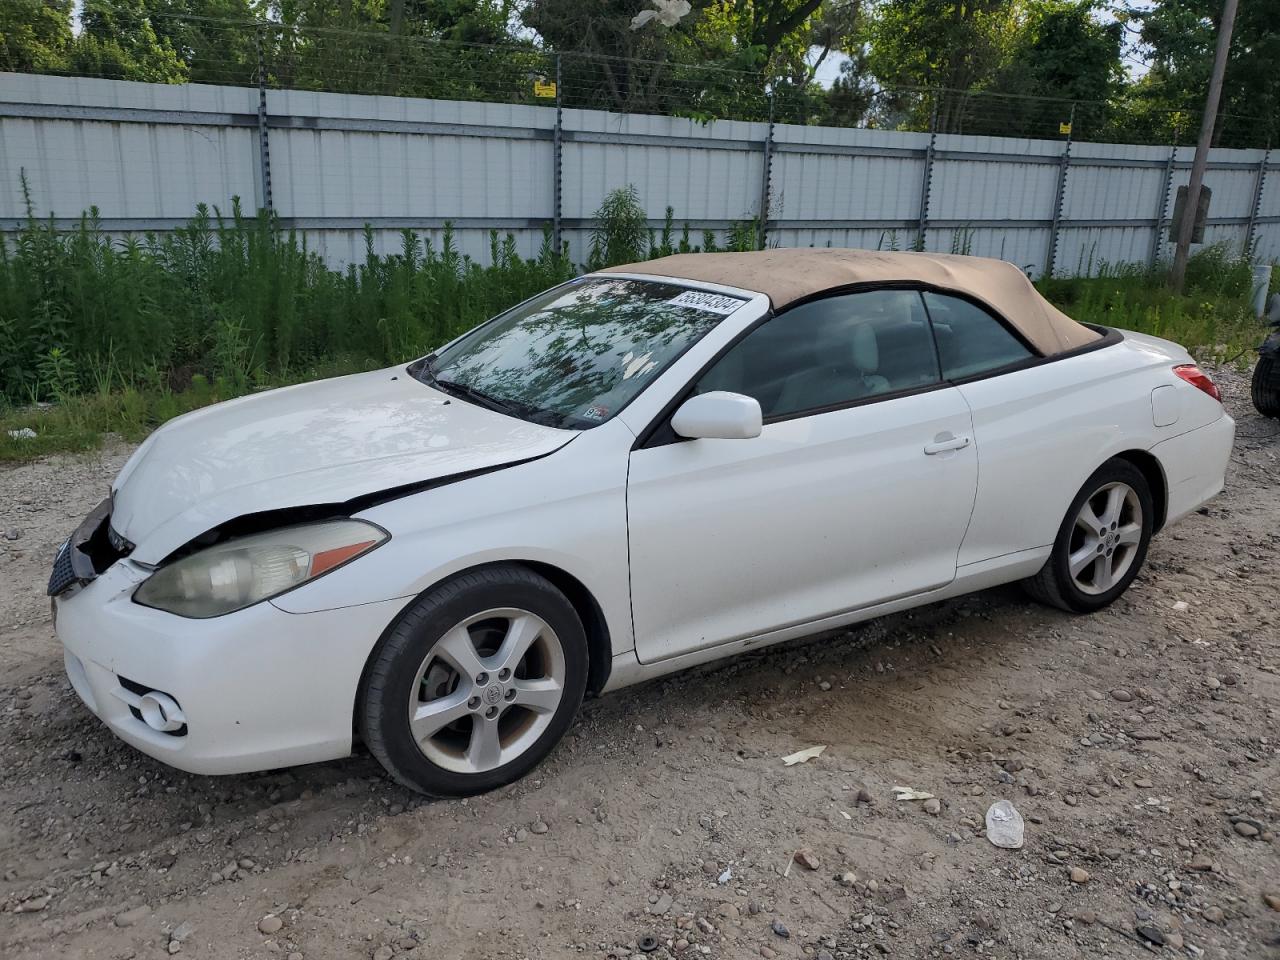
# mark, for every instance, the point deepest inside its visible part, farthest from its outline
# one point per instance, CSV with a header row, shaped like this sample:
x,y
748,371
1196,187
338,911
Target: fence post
x,y
1064,164
1258,186
926,181
1163,211
557,158
264,149
762,221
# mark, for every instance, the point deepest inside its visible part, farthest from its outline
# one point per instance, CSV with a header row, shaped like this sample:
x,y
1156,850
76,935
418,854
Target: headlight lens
x,y
239,573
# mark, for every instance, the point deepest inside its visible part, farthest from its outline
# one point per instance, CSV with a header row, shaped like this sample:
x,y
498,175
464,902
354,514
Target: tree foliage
x,y
118,40
1181,36
954,45
34,35
978,66
1062,51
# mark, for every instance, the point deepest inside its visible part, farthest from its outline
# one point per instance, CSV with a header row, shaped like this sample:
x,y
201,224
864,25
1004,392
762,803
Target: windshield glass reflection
x,y
576,355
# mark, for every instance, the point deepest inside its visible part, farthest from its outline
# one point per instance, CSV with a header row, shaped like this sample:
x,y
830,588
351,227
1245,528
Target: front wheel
x,y
1102,542
475,683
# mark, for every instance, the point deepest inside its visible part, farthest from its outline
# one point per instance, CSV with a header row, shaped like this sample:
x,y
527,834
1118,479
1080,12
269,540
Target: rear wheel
x,y
476,683
1266,387
1102,541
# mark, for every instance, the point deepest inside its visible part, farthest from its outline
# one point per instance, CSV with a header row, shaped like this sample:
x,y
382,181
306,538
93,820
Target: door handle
x,y
945,442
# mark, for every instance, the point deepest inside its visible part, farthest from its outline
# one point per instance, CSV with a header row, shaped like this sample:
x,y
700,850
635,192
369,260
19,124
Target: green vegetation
x,y
105,335
237,299
1212,318
1134,72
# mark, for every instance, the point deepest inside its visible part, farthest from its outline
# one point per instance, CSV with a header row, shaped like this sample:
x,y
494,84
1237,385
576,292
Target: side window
x,y
831,352
970,340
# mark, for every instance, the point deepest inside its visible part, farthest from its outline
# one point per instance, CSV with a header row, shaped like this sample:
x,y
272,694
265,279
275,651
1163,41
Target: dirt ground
x,y
1139,744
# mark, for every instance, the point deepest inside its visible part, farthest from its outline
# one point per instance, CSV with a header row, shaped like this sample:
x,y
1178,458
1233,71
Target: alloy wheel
x,y
487,690
1105,538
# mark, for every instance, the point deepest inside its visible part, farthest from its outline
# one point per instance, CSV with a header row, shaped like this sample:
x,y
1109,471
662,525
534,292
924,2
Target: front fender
x,y
567,511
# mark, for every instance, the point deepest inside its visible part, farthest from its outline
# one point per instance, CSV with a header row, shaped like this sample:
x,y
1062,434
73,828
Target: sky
x,y
830,68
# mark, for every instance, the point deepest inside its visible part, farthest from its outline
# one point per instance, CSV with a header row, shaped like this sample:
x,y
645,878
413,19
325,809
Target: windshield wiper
x,y
479,397
425,373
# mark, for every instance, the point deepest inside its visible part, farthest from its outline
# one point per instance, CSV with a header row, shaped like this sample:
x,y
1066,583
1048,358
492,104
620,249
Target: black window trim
x,y
658,432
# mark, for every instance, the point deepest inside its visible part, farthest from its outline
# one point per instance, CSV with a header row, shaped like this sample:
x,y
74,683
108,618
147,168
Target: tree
x,y
216,39
953,46
1180,34
617,67
34,35
118,41
1062,52
715,62
850,100
462,21
790,61
409,48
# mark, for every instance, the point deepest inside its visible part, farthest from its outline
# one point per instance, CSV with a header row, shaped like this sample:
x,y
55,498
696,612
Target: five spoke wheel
x,y
475,682
487,690
1104,542
1101,541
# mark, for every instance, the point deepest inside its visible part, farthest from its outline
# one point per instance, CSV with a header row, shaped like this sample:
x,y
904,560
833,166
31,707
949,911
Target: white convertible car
x,y
642,469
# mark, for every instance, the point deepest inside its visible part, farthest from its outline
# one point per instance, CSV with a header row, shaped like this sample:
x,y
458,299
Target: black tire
x,y
392,670
1054,585
1266,387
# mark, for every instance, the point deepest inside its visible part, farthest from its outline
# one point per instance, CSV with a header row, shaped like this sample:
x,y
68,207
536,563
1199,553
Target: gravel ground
x,y
1139,744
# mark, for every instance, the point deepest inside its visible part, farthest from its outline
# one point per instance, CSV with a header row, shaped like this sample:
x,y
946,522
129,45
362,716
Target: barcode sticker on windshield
x,y
711,302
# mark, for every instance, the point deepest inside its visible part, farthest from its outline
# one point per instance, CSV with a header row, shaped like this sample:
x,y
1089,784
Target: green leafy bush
x,y
621,232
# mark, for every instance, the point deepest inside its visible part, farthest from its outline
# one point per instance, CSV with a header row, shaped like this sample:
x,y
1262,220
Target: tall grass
x,y
120,334
243,302
234,298
1212,318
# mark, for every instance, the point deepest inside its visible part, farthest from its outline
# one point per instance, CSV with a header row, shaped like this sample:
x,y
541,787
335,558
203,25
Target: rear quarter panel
x,y
1040,433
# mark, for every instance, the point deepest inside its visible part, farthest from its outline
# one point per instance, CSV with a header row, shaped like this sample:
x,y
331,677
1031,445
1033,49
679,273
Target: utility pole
x,y
1186,225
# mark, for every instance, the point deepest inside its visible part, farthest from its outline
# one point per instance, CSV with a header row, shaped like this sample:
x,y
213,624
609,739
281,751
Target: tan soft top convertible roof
x,y
786,275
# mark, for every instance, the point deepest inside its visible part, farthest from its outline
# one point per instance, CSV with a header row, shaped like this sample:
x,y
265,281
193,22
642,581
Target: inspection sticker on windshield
x,y
711,302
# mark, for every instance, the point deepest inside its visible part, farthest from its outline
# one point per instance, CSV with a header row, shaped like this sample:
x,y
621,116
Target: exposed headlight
x,y
244,571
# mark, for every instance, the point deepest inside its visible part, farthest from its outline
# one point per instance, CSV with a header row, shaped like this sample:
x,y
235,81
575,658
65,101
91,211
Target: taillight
x,y
1198,379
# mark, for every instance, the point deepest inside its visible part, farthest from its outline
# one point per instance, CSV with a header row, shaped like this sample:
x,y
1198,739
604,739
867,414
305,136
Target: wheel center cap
x,y
493,694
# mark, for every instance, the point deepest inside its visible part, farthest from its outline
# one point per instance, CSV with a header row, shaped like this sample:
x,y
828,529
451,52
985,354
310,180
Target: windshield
x,y
576,355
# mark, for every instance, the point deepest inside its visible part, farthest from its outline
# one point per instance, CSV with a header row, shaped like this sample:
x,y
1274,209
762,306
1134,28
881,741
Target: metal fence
x,y
658,78
333,165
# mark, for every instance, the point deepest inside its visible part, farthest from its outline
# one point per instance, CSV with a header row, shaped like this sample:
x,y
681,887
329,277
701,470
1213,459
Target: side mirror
x,y
718,415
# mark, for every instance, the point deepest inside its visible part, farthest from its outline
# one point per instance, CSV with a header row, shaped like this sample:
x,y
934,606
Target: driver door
x,y
858,491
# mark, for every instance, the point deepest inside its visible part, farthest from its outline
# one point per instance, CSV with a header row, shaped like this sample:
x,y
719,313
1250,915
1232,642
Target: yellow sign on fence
x,y
1063,128
543,88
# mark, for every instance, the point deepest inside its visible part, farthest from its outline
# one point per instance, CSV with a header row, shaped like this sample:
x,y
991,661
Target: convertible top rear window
x,y
576,355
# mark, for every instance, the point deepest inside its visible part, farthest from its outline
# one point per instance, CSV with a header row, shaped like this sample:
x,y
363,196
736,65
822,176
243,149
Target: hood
x,y
317,443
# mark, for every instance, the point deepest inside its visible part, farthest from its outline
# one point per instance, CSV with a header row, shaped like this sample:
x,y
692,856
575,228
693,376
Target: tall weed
x,y
121,332
232,298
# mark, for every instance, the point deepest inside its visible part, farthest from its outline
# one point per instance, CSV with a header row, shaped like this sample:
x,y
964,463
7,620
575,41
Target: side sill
x,y
627,668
